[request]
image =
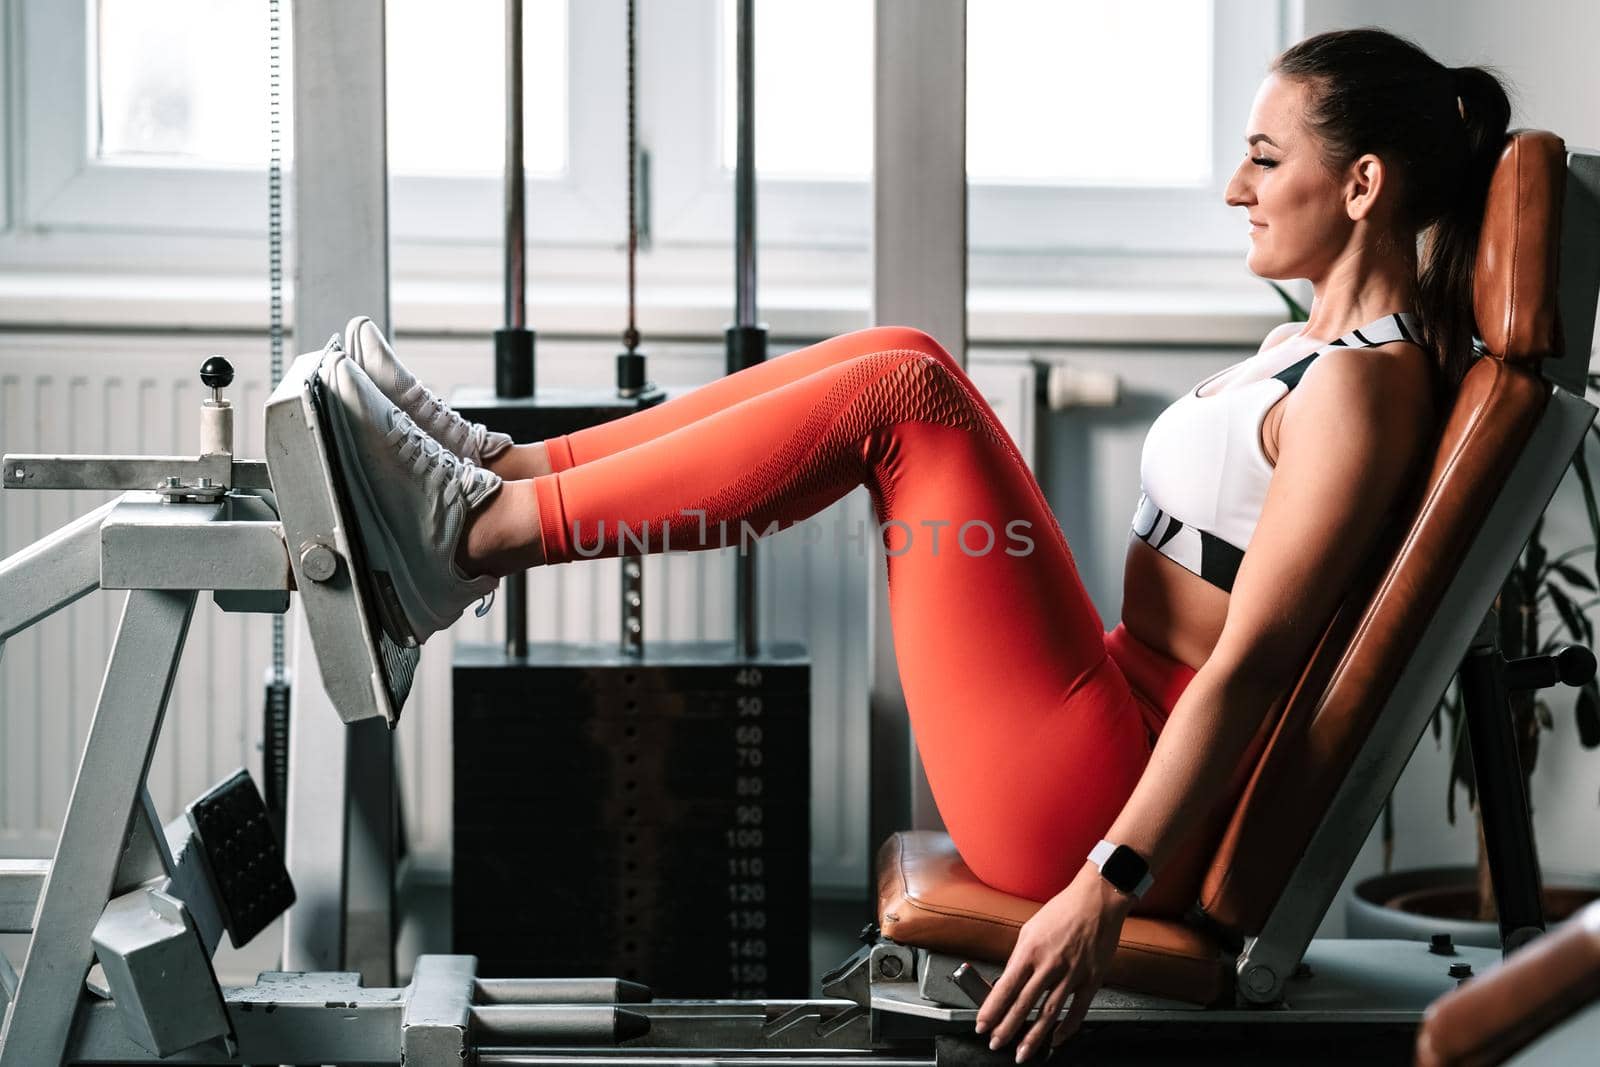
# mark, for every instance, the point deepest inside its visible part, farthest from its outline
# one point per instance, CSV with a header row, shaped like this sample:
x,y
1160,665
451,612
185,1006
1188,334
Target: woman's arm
x,y
1351,436
1352,433
1195,758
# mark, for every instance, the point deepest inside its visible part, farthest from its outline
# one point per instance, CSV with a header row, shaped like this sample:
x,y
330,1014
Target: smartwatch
x,y
1122,867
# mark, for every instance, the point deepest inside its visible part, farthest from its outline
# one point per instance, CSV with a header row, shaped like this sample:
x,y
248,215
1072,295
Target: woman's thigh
x,y
1030,735
595,442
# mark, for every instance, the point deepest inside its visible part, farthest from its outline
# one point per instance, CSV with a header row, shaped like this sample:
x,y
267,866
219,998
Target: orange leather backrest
x,y
1514,284
1328,716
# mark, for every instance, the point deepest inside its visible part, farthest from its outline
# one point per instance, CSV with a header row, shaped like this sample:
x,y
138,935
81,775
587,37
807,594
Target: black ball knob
x,y
216,373
1575,664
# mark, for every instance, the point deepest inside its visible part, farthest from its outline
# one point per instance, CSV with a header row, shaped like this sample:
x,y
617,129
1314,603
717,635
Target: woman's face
x,y
1296,206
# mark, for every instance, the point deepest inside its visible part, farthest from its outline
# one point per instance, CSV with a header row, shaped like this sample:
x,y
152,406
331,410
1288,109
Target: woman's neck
x,y
1361,285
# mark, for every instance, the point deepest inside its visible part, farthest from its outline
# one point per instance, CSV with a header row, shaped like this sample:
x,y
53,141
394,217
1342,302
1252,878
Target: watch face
x,y
1124,869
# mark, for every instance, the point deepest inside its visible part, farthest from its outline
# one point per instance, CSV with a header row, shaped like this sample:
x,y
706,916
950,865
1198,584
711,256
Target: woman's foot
x,y
413,500
365,343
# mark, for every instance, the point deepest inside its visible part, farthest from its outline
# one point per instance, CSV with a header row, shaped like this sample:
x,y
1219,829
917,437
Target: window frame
x,y
102,214
67,189
696,200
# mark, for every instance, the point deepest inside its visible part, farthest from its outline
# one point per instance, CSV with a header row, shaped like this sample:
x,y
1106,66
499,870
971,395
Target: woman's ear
x,y
1366,183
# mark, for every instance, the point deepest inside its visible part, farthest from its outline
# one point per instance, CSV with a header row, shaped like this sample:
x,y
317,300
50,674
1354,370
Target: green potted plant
x,y
1542,605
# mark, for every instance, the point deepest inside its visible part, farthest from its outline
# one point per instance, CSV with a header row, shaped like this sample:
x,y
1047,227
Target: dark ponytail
x,y
1444,278
1375,92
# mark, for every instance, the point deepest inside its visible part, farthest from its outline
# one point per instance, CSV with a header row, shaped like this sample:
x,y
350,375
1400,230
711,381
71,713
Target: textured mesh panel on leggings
x,y
826,451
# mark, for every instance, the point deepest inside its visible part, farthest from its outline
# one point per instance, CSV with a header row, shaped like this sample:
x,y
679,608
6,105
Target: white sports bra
x,y
1203,476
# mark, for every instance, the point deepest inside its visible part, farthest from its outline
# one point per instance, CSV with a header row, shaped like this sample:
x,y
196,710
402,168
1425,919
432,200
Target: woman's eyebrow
x,y
1254,137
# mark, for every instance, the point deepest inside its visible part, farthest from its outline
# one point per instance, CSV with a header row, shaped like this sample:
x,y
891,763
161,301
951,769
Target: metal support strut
x,y
1487,680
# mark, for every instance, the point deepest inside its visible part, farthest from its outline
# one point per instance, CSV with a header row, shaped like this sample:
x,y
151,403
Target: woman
x,y
1041,734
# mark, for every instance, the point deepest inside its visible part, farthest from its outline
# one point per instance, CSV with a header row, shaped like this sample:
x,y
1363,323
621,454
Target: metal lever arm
x,y
132,472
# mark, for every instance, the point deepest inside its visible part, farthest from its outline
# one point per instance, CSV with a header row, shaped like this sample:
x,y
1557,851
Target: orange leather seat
x,y
927,897
1223,887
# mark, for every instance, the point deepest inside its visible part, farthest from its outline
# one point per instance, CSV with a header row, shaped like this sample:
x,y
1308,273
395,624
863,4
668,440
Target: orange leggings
x,y
1029,729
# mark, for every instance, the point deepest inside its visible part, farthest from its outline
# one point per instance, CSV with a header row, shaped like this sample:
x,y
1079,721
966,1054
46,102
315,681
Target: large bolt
x,y
318,561
891,967
1441,945
1461,970
1260,979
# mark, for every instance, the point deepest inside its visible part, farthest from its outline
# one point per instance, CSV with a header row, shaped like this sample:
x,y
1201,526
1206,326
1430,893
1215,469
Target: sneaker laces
x,y
475,432
425,454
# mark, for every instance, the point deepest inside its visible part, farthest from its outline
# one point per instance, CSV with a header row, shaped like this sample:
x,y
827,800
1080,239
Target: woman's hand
x,y
1064,949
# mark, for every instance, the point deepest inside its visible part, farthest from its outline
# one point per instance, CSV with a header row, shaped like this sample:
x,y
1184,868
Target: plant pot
x,y
1414,905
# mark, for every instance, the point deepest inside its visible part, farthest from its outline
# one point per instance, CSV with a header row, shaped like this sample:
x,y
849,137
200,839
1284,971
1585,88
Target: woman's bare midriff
x,y
1170,609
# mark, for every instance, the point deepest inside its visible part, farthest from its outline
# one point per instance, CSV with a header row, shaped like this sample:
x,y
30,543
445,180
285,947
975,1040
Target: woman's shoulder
x,y
1381,382
1279,334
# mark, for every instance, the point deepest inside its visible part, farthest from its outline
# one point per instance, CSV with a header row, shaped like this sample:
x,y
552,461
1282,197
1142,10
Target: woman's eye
x,y
1263,161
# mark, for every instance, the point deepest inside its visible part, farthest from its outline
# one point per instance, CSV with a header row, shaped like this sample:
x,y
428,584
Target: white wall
x,y
1545,48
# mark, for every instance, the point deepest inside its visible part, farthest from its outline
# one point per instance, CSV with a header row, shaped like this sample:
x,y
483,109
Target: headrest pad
x,y
1514,284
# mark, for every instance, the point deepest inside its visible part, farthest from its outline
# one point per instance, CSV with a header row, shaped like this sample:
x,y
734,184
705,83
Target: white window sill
x,y
1036,316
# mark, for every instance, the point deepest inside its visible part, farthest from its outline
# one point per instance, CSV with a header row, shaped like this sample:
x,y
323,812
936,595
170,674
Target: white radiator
x,y
140,394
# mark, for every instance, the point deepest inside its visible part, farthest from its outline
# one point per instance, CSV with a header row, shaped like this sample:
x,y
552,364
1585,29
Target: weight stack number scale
x,y
638,815
645,817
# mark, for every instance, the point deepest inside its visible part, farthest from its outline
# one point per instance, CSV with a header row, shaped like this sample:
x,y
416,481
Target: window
x,y
185,82
154,116
138,116
1039,74
813,88
1050,165
174,79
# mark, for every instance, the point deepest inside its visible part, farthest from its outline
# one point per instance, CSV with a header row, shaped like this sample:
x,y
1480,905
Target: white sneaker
x,y
365,344
411,497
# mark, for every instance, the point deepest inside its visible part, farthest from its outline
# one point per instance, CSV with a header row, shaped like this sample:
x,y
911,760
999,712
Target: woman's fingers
x,y
1039,1033
995,1005
1017,1015
1080,1007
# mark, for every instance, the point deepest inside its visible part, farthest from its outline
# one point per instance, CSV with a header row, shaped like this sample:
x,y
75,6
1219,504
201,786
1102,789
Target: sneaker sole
x,y
384,557
377,596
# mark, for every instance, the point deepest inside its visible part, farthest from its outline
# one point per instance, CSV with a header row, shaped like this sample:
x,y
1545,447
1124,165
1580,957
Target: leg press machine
x,y
124,919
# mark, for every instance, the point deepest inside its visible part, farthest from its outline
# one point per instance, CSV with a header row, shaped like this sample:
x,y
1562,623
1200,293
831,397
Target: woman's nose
x,y
1238,192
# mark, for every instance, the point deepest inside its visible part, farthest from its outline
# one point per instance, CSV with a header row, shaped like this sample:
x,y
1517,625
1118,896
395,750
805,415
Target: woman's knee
x,y
903,339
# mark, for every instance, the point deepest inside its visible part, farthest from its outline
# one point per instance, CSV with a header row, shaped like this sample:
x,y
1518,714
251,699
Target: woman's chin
x,y
1262,266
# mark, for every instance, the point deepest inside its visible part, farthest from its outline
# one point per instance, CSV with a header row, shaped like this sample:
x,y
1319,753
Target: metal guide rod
x,y
512,363
516,297
556,1024
744,174
746,338
559,991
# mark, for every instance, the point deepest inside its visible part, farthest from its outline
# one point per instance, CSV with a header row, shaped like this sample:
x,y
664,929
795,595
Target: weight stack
x,y
642,818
